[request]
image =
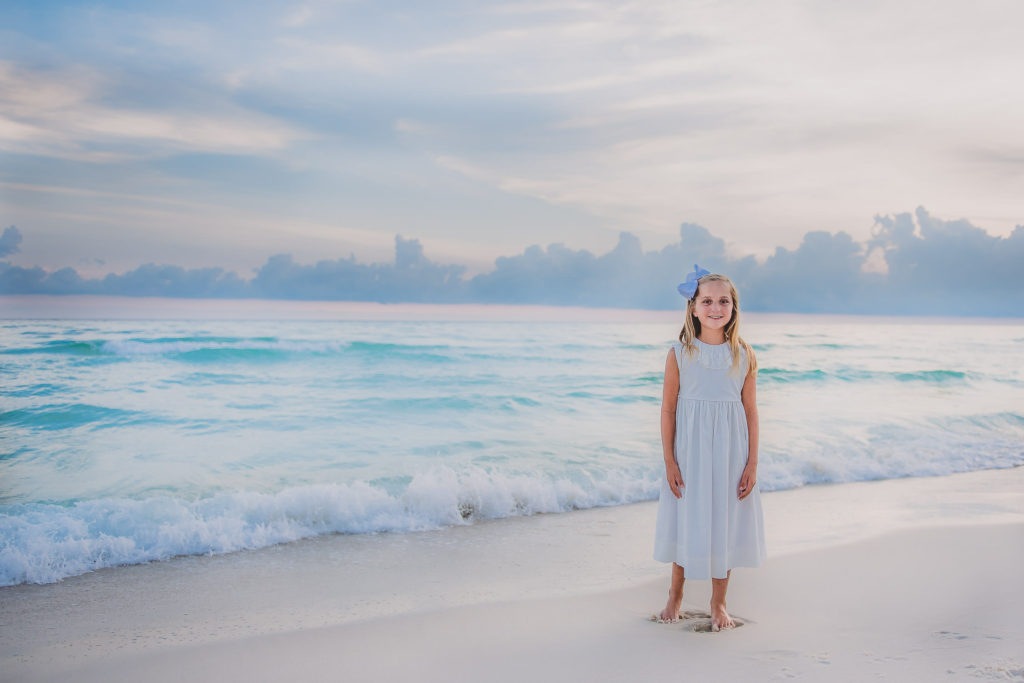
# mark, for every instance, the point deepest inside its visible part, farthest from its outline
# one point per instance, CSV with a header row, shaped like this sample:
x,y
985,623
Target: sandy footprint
x,y
696,621
683,616
704,625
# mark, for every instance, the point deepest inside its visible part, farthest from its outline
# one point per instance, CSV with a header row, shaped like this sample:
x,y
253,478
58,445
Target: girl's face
x,y
713,305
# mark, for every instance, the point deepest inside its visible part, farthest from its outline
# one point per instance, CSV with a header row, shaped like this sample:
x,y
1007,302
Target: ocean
x,y
143,438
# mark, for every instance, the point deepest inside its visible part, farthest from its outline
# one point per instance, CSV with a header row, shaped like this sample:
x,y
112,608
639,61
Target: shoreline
x,y
441,588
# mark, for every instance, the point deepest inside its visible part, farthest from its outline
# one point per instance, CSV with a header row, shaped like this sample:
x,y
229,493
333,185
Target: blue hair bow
x,y
689,288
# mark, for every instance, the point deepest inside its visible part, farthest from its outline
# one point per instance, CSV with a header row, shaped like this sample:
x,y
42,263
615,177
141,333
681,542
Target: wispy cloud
x,y
299,16
62,114
297,54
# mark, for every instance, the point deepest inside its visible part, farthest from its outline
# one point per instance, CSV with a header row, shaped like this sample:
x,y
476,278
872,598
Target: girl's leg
x,y
719,617
675,595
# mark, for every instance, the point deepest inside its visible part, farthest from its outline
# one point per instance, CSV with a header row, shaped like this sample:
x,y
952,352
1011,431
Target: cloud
x,y
582,118
825,273
624,277
146,280
412,277
66,113
9,241
154,280
932,267
302,55
952,265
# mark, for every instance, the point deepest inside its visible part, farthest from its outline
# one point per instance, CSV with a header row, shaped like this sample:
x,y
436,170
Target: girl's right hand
x,y
675,480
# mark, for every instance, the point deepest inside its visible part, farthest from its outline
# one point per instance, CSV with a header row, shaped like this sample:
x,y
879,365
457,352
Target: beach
x,y
387,495
905,579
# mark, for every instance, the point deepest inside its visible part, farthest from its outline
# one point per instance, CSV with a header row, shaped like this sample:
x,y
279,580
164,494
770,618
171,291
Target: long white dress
x,y
709,530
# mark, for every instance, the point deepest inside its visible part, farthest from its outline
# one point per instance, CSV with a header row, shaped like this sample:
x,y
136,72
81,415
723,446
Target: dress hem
x,y
745,565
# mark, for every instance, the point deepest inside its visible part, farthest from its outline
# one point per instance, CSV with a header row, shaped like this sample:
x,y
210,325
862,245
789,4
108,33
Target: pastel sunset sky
x,y
220,133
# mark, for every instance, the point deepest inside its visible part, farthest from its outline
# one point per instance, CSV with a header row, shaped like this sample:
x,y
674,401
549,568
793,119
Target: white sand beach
x,y
910,579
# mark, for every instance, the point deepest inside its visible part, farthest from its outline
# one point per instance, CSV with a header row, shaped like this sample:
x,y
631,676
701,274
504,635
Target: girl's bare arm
x,y
748,395
669,396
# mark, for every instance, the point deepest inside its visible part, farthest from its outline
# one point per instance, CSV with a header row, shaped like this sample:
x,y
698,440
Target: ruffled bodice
x,y
707,374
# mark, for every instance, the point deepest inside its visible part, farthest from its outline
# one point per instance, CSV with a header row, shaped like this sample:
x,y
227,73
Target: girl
x,y
709,512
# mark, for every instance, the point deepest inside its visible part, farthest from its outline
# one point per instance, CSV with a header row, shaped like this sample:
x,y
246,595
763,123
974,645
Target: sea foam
x,y
42,543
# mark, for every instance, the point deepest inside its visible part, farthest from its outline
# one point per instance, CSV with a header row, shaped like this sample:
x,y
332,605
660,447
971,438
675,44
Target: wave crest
x,y
44,543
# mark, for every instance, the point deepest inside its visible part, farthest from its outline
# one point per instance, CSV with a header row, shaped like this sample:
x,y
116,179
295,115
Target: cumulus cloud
x,y
940,264
146,280
931,267
825,273
412,277
158,280
9,241
624,277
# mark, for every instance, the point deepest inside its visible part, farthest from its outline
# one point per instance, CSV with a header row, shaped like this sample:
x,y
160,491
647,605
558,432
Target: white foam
x,y
45,543
42,543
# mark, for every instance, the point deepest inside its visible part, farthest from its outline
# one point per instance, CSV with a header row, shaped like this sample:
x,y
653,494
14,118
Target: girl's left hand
x,y
747,481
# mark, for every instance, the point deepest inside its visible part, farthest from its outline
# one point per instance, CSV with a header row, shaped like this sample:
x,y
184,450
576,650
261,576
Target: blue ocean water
x,y
126,441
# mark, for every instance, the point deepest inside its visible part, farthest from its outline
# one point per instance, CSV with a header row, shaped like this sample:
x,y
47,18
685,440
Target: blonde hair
x,y
691,326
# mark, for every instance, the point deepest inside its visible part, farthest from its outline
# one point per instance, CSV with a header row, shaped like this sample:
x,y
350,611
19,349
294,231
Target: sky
x,y
225,135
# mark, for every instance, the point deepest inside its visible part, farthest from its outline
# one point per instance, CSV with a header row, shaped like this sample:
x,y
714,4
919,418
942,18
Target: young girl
x,y
709,512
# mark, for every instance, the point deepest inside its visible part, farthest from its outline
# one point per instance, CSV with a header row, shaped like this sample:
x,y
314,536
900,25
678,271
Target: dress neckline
x,y
712,356
725,343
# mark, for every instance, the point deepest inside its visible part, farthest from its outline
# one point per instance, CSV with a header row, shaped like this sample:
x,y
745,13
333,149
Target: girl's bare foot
x,y
675,596
720,618
670,614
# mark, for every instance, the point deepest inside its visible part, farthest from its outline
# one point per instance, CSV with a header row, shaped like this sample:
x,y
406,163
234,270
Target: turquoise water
x,y
134,440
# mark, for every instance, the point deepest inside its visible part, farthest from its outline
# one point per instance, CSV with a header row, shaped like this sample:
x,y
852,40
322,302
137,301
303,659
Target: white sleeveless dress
x,y
709,530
